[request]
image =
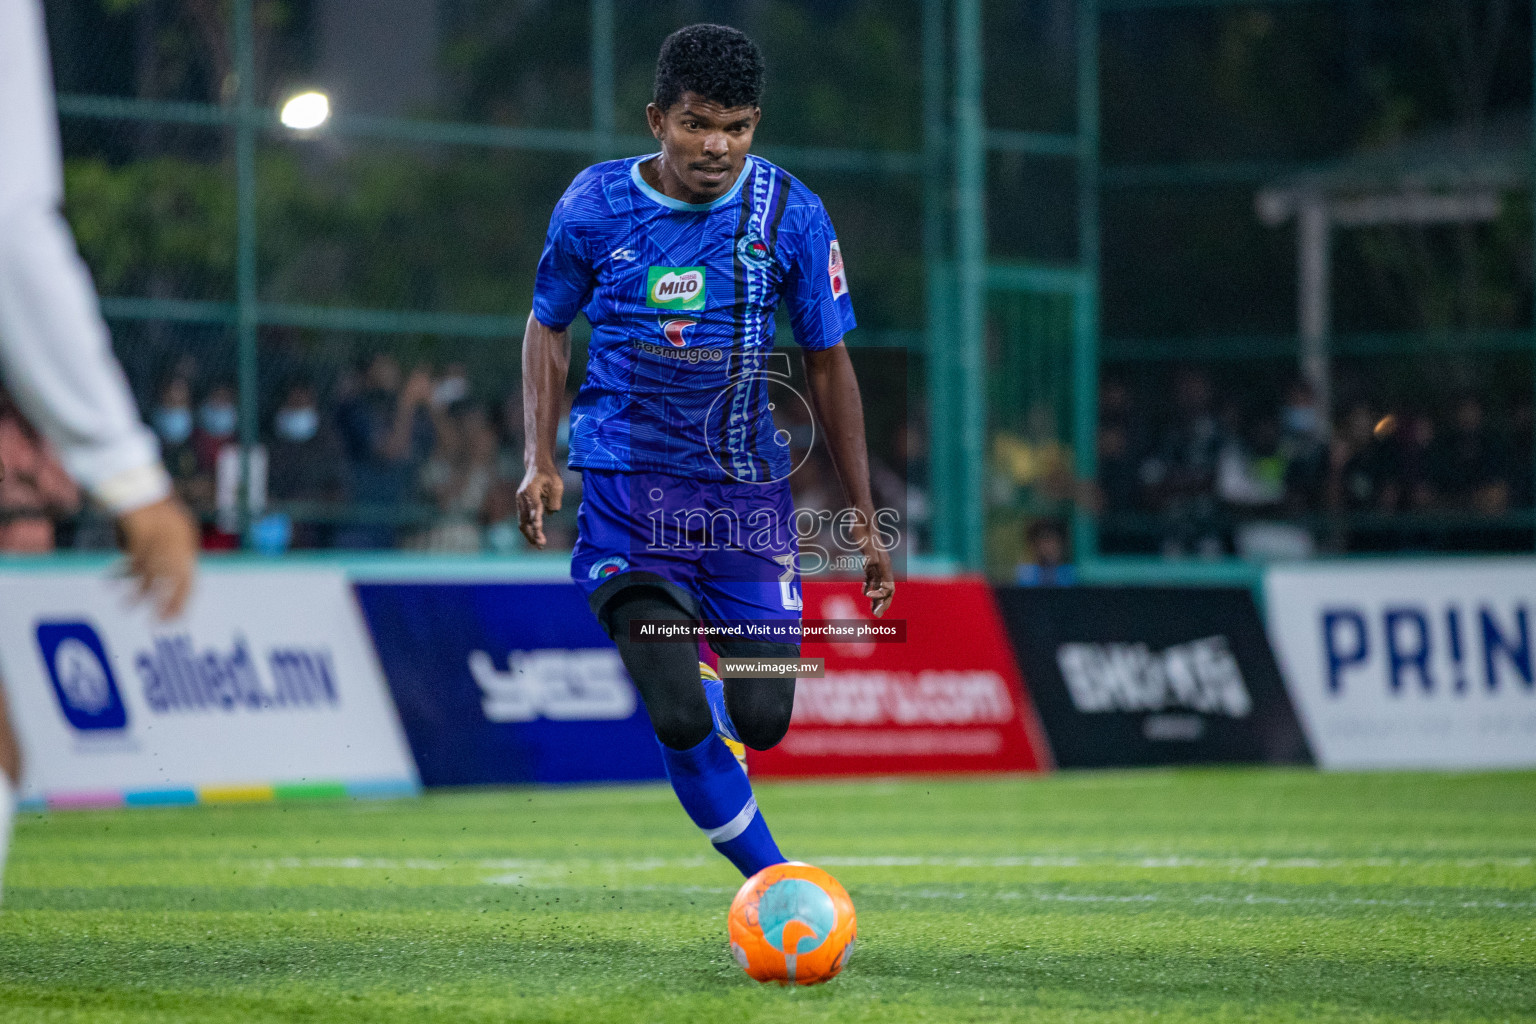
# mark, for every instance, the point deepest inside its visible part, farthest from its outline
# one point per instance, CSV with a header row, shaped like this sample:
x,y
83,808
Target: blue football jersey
x,y
681,298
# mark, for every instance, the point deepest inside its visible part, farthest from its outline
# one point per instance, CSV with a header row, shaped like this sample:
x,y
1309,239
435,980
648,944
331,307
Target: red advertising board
x,y
948,699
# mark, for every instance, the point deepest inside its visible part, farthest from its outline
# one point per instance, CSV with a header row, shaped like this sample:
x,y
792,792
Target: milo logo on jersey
x,y
675,288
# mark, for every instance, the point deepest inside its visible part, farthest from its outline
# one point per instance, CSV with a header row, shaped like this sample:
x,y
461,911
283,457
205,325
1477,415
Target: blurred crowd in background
x,y
379,458
1187,469
1280,480
385,457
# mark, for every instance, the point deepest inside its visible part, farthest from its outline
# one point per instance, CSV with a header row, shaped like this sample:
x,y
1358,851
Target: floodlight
x,y
306,110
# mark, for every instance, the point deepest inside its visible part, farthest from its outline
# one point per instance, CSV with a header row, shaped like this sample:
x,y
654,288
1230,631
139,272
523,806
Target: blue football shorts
x,y
726,551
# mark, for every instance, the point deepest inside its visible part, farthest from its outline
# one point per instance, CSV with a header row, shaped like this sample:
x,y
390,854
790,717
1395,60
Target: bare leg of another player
x,y
10,782
56,356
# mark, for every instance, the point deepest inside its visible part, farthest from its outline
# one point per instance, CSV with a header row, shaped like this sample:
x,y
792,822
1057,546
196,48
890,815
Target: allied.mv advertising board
x,y
1410,665
268,680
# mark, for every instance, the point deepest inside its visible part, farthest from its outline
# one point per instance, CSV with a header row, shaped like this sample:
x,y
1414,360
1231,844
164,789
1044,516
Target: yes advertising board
x,y
267,681
1425,665
947,699
1151,675
508,683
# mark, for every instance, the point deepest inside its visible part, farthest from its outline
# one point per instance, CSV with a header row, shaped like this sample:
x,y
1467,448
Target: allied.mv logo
x,y
82,676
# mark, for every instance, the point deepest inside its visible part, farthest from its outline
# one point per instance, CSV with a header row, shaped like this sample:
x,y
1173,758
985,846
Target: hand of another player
x,y
160,541
540,492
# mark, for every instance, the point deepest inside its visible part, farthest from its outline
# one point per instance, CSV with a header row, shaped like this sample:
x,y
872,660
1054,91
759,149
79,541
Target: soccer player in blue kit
x,y
679,260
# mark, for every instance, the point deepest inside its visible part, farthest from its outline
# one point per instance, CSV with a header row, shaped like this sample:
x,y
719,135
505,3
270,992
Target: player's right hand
x,y
540,492
160,541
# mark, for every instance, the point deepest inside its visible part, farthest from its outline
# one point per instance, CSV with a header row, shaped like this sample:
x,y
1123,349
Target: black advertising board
x,y
1152,675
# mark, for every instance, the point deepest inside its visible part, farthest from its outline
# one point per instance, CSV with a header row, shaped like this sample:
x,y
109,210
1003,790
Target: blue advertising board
x,y
508,683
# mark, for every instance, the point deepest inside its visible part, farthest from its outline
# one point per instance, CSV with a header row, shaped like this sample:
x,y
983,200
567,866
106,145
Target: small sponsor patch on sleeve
x,y
836,273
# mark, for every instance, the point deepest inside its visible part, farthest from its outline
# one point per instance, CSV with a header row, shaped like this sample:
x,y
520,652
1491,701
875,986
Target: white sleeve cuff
x,y
134,488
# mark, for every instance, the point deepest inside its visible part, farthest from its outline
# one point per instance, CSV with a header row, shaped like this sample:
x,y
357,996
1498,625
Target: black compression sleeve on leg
x,y
667,672
760,707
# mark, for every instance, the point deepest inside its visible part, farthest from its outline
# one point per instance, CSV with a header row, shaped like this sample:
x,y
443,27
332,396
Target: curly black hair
x,y
716,61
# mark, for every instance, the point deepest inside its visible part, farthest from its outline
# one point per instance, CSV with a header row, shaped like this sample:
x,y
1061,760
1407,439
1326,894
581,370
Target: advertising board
x,y
1410,665
508,683
948,698
1151,675
266,687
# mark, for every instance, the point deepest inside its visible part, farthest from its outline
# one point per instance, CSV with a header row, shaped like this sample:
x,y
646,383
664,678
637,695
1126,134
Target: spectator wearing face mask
x,y
307,464
1304,449
218,419
174,422
215,441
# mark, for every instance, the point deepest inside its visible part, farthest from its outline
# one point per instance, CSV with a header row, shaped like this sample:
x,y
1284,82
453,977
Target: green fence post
x,y
968,499
937,366
1085,307
602,79
246,125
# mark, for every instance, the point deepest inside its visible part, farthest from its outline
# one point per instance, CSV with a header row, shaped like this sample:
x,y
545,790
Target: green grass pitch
x,y
1231,895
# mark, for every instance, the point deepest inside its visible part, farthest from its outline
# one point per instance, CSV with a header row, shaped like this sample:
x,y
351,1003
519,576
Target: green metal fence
x,y
252,123
1025,332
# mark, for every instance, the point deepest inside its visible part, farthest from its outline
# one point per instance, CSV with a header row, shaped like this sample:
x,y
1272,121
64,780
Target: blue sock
x,y
716,794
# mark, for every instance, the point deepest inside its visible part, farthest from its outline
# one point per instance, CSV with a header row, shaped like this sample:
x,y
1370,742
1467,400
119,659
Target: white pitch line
x,y
541,865
1175,862
542,871
535,866
1250,899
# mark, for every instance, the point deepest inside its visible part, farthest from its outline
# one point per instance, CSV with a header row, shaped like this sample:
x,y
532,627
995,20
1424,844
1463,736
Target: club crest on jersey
x,y
680,288
835,271
607,567
752,250
674,329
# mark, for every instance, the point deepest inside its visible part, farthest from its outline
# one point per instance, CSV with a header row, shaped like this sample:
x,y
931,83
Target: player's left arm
x,y
839,409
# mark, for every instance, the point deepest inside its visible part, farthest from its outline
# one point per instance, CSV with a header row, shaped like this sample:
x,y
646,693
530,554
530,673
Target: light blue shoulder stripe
x,y
677,204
